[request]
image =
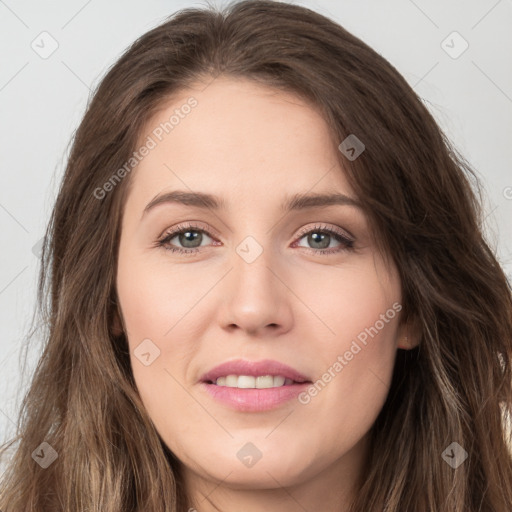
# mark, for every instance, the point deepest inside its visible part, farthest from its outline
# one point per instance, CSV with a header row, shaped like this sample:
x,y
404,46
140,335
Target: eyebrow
x,y
292,203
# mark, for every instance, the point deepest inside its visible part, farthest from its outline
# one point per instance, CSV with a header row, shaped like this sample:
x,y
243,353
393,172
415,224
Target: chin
x,y
260,476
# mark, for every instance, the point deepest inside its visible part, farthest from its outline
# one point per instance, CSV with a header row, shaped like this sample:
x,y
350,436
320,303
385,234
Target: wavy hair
x,y
423,201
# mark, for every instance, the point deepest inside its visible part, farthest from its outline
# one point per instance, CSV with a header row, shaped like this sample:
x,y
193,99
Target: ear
x,y
408,335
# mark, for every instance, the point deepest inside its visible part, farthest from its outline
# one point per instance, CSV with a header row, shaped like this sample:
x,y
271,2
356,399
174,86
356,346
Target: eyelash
x,y
347,243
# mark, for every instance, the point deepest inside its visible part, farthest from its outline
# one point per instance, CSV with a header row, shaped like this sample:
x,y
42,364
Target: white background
x,y
42,101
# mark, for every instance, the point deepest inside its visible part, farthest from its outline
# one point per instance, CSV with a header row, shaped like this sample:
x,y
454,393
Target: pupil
x,y
184,240
324,239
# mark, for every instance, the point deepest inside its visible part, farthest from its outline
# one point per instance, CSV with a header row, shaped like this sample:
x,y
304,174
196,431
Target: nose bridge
x,y
252,276
252,271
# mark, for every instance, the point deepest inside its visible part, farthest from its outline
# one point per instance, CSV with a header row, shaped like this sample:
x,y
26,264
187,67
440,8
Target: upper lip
x,y
254,368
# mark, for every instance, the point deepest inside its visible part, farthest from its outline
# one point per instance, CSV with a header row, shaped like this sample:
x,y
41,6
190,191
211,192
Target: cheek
x,y
154,301
155,297
349,301
357,351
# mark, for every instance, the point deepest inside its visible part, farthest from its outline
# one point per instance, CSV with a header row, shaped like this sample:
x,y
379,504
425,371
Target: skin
x,y
253,147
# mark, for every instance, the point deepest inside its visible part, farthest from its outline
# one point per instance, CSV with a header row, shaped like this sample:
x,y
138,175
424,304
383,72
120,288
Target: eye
x,y
322,236
191,235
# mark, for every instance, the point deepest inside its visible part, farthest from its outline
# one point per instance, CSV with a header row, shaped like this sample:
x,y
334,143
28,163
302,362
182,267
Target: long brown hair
x,y
423,201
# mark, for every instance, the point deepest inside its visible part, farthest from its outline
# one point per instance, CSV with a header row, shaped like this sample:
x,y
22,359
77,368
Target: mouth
x,y
250,386
242,373
254,382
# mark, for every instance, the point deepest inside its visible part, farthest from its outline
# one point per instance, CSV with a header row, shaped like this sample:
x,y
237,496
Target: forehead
x,y
242,138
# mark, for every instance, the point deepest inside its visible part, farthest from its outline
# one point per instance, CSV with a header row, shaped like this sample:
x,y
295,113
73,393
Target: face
x,y
293,292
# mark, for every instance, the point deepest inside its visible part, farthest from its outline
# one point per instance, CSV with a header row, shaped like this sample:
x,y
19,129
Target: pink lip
x,y
253,400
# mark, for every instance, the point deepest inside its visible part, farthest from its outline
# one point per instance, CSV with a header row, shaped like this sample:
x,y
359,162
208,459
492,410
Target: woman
x,y
268,289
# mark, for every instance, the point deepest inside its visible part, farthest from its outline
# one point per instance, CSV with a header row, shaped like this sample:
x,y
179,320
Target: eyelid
x,y
326,227
200,226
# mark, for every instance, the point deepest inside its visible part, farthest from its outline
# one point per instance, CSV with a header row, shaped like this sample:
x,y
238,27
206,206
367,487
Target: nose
x,y
256,298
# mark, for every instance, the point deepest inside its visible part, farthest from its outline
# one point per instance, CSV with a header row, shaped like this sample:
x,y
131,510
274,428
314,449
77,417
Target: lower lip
x,y
252,399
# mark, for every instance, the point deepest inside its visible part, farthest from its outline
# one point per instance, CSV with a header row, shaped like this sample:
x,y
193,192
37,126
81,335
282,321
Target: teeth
x,y
231,381
248,381
278,381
